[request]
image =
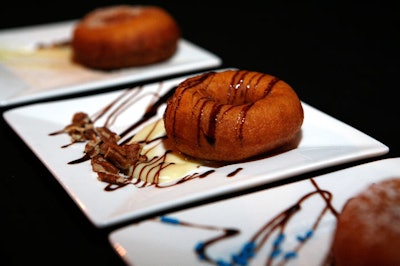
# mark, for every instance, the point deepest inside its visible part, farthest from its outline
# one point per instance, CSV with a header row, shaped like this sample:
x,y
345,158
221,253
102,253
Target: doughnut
x,y
122,36
232,115
368,228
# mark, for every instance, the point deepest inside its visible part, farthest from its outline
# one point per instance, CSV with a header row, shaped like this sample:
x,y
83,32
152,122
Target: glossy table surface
x,y
341,59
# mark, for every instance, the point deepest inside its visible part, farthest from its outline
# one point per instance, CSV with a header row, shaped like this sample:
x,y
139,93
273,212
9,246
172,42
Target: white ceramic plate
x,y
175,244
325,142
26,75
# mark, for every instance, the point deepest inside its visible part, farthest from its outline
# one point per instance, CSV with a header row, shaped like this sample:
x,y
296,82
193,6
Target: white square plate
x,y
174,243
325,142
27,73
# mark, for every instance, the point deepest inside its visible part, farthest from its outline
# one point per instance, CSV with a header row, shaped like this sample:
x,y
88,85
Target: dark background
x,y
341,59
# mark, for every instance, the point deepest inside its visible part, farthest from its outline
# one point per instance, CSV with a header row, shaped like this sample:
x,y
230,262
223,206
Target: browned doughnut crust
x,y
368,228
124,36
232,115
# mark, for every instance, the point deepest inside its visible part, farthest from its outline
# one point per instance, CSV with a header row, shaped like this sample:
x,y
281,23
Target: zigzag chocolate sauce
x,y
156,164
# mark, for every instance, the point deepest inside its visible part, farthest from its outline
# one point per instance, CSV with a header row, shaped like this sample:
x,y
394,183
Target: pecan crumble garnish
x,y
81,129
112,162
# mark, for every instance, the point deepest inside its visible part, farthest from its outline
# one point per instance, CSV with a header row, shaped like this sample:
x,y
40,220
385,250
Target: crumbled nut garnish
x,y
112,162
81,129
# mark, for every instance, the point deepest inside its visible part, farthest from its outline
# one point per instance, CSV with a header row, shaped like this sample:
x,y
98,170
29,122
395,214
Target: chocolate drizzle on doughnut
x,y
210,134
188,85
232,115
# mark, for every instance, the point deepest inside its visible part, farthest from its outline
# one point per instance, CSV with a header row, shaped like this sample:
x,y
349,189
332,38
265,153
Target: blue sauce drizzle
x,y
251,247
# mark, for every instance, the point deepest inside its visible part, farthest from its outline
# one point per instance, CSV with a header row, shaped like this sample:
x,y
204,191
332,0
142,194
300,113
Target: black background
x,y
341,59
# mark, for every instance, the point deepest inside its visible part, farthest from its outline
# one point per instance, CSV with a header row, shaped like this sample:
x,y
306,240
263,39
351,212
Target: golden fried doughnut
x,y
124,36
232,115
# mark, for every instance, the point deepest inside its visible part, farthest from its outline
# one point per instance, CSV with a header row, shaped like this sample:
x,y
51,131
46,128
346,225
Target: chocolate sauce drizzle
x,y
235,172
154,165
188,85
237,97
273,230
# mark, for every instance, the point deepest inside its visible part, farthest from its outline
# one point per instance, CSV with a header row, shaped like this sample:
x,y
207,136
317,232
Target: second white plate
x,y
325,142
